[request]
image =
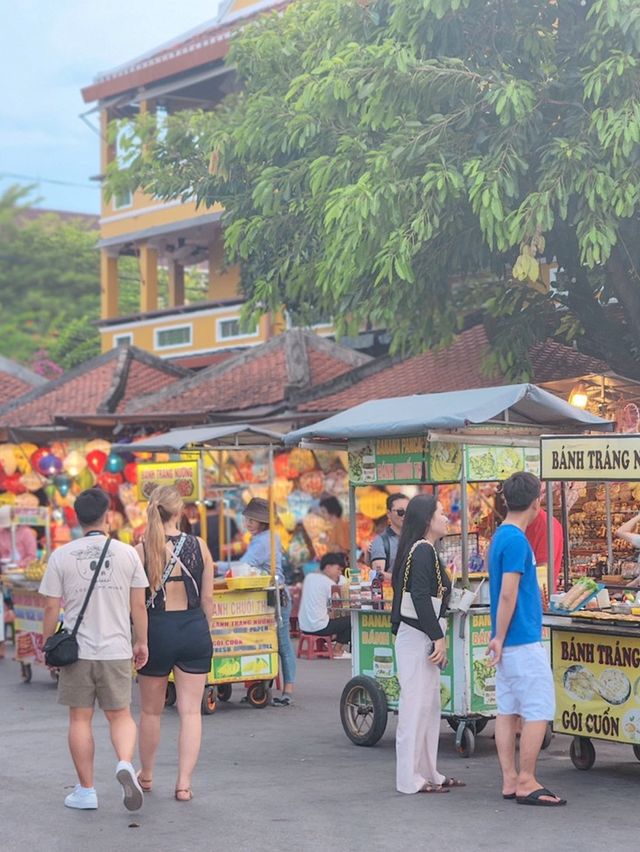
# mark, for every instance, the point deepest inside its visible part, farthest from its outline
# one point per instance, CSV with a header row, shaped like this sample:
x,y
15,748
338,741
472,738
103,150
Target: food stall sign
x,y
183,475
597,685
591,457
492,464
384,461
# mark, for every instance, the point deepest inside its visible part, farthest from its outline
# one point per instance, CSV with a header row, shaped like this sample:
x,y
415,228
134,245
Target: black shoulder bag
x,y
61,649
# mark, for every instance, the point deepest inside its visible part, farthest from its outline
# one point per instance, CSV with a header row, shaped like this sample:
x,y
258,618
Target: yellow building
x,y
188,72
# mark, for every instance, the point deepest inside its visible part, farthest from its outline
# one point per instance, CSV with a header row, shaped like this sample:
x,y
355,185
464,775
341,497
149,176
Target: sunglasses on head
x,y
400,512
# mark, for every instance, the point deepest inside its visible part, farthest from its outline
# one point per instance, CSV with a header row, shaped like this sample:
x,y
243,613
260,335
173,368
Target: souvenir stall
x,y
246,604
460,438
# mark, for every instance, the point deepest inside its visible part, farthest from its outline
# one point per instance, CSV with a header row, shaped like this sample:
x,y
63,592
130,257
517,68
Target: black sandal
x,y
536,800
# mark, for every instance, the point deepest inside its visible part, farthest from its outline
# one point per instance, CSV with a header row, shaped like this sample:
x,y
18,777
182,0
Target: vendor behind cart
x,y
18,545
257,520
626,532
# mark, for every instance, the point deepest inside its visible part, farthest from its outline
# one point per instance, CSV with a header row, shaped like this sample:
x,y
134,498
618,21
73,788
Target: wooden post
x,y
148,279
176,284
109,291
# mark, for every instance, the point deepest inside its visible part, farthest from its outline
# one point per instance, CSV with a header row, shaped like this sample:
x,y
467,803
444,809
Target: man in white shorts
x,y
103,670
524,682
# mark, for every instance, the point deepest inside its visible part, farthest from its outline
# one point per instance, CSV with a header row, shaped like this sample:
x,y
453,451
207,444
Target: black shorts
x,y
178,639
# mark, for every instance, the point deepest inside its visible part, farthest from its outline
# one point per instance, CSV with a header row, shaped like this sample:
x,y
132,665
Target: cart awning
x,y
230,436
523,404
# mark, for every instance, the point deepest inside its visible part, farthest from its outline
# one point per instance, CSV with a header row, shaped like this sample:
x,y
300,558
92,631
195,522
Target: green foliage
x,y
409,164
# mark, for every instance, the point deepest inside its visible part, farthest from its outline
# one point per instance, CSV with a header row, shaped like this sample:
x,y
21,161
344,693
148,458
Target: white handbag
x,y
407,608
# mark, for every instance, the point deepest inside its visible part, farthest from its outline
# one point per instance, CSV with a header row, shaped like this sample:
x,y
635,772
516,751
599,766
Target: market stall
x,y
246,608
595,626
465,437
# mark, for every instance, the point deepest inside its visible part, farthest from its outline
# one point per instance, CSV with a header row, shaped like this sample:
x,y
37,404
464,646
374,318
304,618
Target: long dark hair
x,y
420,511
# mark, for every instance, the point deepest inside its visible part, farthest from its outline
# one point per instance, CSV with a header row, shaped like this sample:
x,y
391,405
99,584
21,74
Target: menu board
x,y
383,461
183,475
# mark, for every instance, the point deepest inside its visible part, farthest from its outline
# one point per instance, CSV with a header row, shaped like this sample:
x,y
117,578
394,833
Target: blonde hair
x,y
164,502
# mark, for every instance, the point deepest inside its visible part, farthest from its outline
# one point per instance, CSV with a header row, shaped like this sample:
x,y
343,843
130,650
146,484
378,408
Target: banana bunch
x,y
35,570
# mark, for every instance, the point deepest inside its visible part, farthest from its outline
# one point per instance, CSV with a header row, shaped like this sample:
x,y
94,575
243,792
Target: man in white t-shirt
x,y
103,669
313,615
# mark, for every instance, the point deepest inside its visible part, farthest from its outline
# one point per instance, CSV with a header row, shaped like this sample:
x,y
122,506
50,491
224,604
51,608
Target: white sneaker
x,y
82,798
132,795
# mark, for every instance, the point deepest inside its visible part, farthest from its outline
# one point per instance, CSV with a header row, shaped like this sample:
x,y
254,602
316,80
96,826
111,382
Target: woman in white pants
x,y
421,589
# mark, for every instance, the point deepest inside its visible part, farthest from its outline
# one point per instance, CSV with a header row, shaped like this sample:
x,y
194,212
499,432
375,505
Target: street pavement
x,y
288,779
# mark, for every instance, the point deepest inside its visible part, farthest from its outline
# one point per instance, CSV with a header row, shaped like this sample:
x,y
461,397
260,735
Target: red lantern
x,y
110,482
96,460
131,472
39,454
13,484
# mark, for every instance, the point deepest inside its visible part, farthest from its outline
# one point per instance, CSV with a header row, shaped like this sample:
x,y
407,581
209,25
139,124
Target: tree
x,y
410,163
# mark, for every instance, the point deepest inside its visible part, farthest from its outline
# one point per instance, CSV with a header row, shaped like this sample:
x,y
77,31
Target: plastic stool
x,y
315,647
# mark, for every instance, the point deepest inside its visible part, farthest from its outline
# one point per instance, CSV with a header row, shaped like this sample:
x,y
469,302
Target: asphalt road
x,y
288,779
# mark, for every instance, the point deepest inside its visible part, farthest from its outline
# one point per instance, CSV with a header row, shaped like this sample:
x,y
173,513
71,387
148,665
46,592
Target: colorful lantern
x,y
50,491
312,482
8,458
110,482
96,460
131,472
13,483
373,503
50,465
74,463
115,463
37,455
23,455
62,483
31,481
98,444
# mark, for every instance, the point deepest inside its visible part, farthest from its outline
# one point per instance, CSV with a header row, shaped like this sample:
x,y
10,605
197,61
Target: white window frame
x,y
125,205
221,338
125,339
162,346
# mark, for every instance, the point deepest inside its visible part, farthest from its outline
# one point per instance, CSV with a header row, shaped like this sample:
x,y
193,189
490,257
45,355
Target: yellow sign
x,y
597,684
183,475
591,457
243,624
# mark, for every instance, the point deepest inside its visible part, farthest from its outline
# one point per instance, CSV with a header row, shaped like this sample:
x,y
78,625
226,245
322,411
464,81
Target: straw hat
x,y
5,517
258,510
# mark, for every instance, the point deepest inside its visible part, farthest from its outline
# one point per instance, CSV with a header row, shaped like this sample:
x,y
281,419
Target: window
x,y
123,198
168,338
123,340
228,329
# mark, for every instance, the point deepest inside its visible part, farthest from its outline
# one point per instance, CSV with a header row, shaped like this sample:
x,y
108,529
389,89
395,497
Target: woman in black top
x,y
180,606
421,650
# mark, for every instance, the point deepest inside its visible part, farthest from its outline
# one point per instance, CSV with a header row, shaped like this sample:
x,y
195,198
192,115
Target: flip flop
x,y
536,800
508,795
434,788
453,782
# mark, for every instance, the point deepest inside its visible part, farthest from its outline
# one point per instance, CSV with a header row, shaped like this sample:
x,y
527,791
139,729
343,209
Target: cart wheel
x,y
224,692
259,695
548,736
465,741
478,725
363,711
26,673
208,701
582,753
636,751
170,695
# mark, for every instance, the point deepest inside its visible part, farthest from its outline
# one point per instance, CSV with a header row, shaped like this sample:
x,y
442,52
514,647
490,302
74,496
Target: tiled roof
x,y
16,380
101,385
458,367
266,375
205,44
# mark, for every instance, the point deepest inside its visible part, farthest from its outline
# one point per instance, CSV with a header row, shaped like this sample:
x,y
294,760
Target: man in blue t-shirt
x,y
524,683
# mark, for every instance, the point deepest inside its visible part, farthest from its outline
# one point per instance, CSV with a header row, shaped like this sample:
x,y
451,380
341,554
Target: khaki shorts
x,y
107,680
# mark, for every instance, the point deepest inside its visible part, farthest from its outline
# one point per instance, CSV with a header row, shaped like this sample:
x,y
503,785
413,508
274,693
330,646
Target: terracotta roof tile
x,y
16,380
458,367
96,386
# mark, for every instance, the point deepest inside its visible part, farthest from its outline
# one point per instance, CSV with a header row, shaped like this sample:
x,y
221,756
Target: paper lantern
x,y
96,460
300,504
85,479
302,460
131,472
288,520
31,481
13,483
50,465
8,458
110,482
50,491
373,503
27,501
74,463
23,455
312,482
283,467
98,444
62,483
37,455
115,463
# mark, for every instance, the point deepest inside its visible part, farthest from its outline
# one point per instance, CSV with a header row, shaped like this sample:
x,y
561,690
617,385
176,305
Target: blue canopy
x,y
414,415
233,436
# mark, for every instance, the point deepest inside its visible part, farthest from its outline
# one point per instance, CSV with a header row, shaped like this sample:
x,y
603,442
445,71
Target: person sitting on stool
x,y
313,616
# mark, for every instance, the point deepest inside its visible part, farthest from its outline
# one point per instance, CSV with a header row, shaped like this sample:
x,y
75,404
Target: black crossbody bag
x,y
61,649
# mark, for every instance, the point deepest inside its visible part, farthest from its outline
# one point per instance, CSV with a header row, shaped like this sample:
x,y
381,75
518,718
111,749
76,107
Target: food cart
x,y
246,609
22,583
461,437
595,652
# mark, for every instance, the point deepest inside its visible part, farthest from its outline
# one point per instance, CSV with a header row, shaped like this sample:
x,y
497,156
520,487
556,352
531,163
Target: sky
x,y
49,50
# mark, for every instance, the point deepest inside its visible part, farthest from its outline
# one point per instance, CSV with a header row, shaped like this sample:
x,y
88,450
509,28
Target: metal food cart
x,y
460,437
245,618
595,655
